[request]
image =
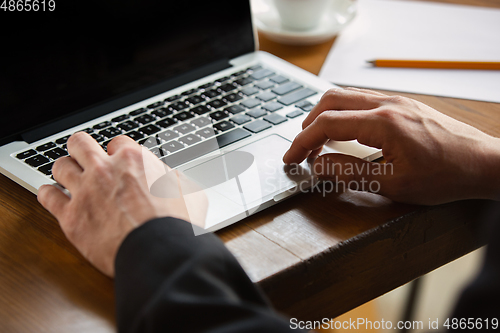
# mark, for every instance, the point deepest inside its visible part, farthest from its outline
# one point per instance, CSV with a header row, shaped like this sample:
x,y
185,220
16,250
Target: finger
x,y
120,142
366,91
52,199
343,99
353,172
332,125
67,172
84,149
315,153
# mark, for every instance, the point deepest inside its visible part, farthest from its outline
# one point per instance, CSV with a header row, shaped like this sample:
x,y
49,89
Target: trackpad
x,y
250,174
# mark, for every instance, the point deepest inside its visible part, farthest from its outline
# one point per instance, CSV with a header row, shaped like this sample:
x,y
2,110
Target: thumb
x,y
352,172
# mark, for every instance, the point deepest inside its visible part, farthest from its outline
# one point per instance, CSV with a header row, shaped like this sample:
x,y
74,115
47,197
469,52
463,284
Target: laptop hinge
x,y
95,111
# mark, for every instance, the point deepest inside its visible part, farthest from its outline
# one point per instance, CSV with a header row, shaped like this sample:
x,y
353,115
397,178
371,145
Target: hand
x,y
431,157
110,195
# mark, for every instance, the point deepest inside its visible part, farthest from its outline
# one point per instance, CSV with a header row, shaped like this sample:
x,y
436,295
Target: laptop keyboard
x,y
182,127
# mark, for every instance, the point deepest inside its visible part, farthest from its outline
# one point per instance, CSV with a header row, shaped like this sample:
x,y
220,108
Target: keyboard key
x,y
178,106
26,154
167,135
37,160
46,146
110,132
265,85
273,106
172,98
251,103
121,118
206,132
183,116
166,122
104,124
244,81
279,79
262,73
189,92
240,119
266,96
149,129
294,114
205,147
227,87
145,119
256,113
254,68
150,142
104,145
195,99
211,93
155,105
184,128
206,85
201,109
189,139
96,137
87,130
305,105
56,153
63,140
159,152
275,118
162,112
172,146
249,91
296,96
189,154
231,137
223,79
128,125
46,169
257,126
137,112
231,98
135,135
224,126
218,115
217,103
286,88
239,73
234,109
201,122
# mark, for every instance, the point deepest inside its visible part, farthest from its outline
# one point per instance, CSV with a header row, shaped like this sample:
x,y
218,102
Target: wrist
x,y
489,176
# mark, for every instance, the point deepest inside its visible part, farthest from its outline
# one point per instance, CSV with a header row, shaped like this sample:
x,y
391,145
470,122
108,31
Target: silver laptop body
x,y
240,178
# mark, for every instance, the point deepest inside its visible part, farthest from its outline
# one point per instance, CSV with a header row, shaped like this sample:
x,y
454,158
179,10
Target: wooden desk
x,y
314,257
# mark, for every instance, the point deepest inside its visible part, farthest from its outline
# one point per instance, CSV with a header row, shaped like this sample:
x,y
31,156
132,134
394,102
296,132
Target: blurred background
x,y
437,295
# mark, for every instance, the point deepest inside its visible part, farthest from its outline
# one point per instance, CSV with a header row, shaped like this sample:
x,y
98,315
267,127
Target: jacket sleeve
x,y
168,280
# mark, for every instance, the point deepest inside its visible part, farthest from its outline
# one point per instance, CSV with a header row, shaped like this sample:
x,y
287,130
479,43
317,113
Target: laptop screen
x,y
60,60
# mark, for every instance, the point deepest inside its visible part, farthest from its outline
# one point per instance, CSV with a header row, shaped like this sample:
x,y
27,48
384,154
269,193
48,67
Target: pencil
x,y
484,65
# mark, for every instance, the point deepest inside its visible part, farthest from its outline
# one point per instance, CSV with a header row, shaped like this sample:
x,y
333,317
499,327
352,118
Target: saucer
x,y
337,17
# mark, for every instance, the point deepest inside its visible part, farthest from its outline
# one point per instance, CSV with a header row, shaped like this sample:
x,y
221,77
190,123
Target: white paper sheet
x,y
387,29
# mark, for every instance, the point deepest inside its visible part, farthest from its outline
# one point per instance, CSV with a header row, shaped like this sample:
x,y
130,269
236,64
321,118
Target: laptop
x,y
183,79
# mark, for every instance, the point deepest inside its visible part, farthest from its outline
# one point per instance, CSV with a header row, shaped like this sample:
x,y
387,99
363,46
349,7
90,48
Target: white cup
x,y
301,15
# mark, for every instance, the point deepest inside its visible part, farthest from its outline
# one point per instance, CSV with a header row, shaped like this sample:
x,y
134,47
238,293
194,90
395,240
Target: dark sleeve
x,y
168,280
481,299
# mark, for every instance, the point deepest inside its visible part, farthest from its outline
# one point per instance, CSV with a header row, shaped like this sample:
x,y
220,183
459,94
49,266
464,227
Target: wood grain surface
x,y
314,256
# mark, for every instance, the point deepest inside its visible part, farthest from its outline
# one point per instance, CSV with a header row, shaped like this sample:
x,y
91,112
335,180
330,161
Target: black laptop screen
x,y
55,63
